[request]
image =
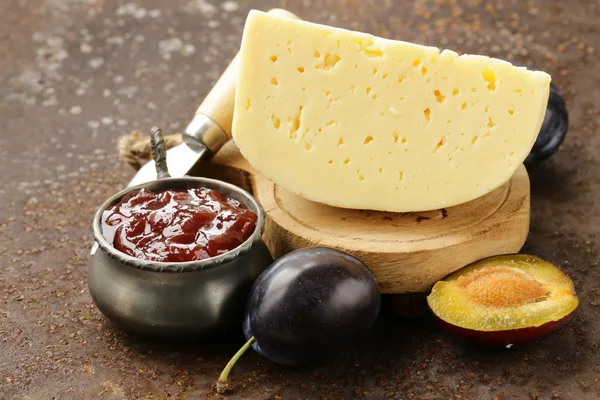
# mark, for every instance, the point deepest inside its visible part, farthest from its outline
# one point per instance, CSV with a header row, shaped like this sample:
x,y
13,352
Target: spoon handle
x,y
159,153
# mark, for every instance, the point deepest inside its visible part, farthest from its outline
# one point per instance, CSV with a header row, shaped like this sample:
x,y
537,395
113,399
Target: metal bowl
x,y
177,300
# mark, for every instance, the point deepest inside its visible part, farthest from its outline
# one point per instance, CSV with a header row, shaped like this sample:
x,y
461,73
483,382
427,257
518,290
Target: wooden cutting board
x,y
407,252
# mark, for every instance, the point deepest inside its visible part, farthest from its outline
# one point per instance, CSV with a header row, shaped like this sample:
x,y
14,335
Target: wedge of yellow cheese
x,y
356,121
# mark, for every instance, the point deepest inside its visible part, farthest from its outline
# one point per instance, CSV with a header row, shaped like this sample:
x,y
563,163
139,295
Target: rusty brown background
x,y
75,74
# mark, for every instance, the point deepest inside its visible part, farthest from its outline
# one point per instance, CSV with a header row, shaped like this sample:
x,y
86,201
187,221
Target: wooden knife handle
x,y
218,104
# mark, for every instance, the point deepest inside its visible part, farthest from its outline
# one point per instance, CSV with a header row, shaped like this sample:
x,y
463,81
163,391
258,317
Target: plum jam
x,y
177,225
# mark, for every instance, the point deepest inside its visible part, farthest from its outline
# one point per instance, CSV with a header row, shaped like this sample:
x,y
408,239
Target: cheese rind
x,y
355,121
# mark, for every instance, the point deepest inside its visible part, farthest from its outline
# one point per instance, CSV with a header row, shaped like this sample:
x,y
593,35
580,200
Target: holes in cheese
x,y
345,116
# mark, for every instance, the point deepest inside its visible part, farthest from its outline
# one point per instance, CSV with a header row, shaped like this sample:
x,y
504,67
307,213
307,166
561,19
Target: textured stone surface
x,y
75,74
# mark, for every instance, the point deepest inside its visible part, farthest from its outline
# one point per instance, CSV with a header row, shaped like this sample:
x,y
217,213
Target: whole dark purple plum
x,y
553,130
307,307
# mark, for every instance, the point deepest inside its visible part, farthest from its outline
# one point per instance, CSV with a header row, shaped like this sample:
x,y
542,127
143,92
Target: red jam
x,y
177,226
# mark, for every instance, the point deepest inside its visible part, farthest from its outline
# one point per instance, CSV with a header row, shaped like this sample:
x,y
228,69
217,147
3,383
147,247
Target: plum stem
x,y
222,381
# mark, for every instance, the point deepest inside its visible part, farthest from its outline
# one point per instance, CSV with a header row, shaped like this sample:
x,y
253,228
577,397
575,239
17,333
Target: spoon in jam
x,y
159,153
176,225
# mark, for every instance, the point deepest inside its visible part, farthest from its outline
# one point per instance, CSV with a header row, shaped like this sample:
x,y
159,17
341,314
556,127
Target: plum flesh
x,y
504,300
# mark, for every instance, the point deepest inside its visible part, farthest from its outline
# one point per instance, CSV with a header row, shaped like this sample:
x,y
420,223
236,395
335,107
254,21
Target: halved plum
x,y
504,300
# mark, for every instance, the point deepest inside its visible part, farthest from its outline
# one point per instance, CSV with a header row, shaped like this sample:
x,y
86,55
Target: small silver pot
x,y
177,300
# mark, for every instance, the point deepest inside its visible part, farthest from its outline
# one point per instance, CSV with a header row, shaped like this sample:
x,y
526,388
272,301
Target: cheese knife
x,y
209,129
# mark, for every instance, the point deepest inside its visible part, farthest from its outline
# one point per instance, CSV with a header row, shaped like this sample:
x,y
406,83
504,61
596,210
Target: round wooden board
x,y
406,252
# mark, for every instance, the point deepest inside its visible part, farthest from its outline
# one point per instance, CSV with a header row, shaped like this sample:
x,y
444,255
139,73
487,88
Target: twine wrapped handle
x,y
159,153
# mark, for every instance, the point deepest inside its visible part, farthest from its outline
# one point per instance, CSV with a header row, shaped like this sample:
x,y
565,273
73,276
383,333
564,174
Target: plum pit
x,y
501,286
